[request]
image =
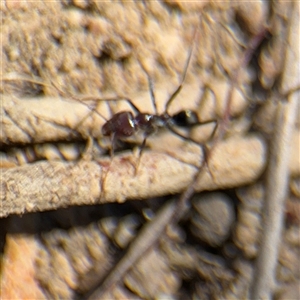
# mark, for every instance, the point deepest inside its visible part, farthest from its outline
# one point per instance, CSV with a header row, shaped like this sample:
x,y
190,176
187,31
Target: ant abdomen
x,y
121,125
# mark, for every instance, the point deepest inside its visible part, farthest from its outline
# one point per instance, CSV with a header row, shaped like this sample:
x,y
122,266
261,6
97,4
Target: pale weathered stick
x,y
278,170
50,185
47,119
39,120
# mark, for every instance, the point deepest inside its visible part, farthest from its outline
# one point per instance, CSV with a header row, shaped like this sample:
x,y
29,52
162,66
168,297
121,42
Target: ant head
x,y
186,118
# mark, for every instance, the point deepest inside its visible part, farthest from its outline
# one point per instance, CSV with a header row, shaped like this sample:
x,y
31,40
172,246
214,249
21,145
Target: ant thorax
x,y
145,122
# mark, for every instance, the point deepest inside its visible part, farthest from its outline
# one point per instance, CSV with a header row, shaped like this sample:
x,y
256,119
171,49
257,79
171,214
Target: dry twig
x,y
278,170
50,185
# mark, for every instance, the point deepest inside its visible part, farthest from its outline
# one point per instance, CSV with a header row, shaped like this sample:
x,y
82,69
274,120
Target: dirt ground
x,y
214,215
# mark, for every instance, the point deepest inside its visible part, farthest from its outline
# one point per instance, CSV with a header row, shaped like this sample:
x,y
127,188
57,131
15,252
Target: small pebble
x,y
212,218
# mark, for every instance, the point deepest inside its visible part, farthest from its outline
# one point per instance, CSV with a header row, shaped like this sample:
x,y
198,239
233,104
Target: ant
x,y
125,124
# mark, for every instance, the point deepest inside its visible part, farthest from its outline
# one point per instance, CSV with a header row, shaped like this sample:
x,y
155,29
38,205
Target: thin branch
x,y
278,170
50,185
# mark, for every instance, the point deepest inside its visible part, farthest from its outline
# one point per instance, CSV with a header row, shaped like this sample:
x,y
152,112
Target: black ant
x,y
125,124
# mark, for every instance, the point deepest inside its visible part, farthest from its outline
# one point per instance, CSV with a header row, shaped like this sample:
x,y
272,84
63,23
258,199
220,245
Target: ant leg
x,y
141,150
186,138
94,109
82,101
28,79
205,149
105,173
215,129
112,148
87,154
129,101
91,98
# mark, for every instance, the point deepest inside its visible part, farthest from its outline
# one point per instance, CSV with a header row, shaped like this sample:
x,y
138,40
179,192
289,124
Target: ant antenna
x,y
178,89
151,88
